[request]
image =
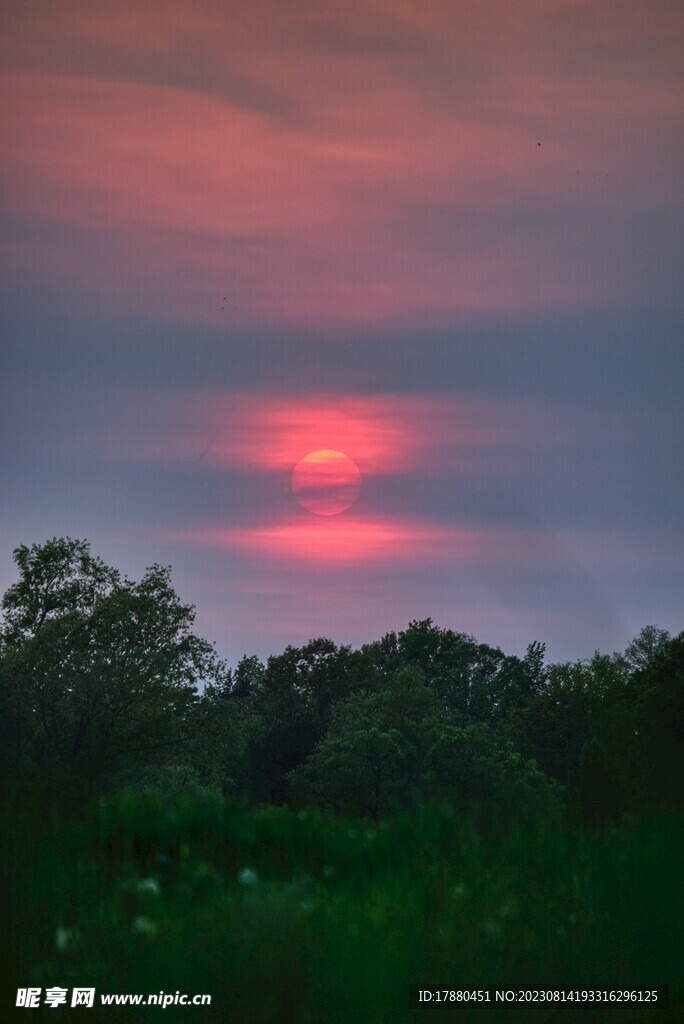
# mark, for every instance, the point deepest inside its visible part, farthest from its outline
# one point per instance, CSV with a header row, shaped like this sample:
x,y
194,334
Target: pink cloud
x,y
352,539
384,434
199,155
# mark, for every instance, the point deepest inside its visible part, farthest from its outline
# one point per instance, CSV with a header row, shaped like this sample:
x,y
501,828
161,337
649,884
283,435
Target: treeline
x,y
104,685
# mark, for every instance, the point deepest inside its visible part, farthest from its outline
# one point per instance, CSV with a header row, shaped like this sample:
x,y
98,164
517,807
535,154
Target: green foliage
x,y
293,700
645,647
352,771
465,675
283,916
56,578
308,679
101,678
658,693
371,757
276,750
96,671
480,774
247,676
592,727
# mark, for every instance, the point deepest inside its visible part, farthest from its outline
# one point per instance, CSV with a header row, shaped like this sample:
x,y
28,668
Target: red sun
x,y
326,482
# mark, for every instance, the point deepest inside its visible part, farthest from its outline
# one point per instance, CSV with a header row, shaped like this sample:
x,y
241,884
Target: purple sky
x,y
444,239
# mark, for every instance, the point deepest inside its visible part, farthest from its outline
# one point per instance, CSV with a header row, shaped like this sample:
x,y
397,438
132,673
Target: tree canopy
x,y
103,678
96,669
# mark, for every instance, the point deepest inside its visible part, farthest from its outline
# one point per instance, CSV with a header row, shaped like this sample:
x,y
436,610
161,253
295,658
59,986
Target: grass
x,y
294,917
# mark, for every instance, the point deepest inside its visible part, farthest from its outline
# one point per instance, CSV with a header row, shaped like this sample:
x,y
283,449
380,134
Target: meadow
x,y
294,916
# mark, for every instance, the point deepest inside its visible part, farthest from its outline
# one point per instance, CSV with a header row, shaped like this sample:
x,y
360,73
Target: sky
x,y
441,238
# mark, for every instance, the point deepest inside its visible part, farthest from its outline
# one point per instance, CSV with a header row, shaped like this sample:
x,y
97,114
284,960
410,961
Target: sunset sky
x,y
443,238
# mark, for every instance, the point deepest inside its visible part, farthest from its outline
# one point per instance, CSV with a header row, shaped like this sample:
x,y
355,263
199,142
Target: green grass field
x,y
293,917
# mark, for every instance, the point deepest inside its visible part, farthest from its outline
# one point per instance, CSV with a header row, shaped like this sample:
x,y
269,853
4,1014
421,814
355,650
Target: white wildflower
x,y
144,926
65,938
248,877
148,887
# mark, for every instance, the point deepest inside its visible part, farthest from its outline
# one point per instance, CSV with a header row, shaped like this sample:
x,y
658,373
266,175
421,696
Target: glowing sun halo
x,y
326,482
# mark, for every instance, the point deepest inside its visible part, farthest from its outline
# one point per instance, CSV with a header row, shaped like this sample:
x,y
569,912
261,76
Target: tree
x,y
351,771
307,679
525,679
293,698
552,726
96,669
245,677
372,755
465,675
646,646
56,578
479,772
658,694
222,726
